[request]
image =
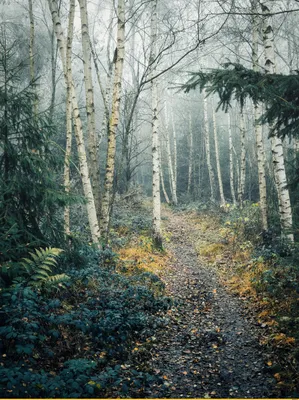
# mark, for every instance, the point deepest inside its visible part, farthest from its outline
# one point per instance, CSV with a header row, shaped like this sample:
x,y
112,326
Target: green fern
x,y
39,269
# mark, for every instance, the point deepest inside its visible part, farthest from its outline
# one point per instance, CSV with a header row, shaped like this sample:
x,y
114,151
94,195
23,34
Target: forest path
x,y
210,347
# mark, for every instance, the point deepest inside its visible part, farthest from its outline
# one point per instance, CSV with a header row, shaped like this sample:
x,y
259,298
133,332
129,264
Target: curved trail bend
x,y
210,347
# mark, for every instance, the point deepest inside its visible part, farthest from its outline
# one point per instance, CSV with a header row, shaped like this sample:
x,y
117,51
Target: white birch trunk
x,y
114,119
219,175
91,210
157,237
261,161
162,180
175,158
94,163
207,145
69,119
191,150
170,167
231,161
285,209
241,186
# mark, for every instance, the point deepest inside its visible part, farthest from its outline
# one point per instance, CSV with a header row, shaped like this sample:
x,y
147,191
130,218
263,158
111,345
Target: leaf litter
x,y
210,348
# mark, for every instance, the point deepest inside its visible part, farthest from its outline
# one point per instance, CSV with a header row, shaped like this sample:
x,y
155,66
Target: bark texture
x,y
261,162
231,161
157,237
114,119
219,175
69,119
207,145
241,188
94,163
285,209
91,210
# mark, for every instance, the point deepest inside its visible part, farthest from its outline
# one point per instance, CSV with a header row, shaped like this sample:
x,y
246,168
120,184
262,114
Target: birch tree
x,y
175,158
94,163
285,209
191,151
114,119
157,237
170,164
241,186
219,175
231,161
61,42
69,119
257,124
207,145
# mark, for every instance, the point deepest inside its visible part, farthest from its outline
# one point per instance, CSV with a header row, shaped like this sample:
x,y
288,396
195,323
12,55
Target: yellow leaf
x,y
269,363
277,376
185,373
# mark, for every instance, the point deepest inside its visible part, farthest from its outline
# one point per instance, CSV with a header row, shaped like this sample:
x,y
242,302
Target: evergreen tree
x,y
30,194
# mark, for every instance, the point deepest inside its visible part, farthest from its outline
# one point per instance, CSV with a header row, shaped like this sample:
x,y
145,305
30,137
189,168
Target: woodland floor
x,y
211,345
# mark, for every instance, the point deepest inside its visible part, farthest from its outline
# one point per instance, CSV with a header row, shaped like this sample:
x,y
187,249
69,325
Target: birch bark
x,y
207,145
107,201
257,125
175,163
170,165
157,237
241,187
91,210
219,175
231,161
94,163
162,180
191,150
285,209
69,120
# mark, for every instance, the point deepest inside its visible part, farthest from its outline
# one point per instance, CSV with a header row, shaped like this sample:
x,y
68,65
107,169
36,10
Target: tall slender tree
x,y
157,237
285,209
69,119
219,174
94,163
207,146
231,160
107,201
87,188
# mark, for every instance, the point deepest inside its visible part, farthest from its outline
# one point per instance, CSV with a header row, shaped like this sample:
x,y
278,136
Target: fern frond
x,y
39,267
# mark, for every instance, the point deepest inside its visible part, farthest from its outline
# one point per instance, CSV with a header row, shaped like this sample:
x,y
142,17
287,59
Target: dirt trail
x,y
210,348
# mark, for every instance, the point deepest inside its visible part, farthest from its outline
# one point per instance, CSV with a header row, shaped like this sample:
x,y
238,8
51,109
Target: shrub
x,y
70,345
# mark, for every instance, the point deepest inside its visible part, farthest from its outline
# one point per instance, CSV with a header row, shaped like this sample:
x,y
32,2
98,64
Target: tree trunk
x,y
174,153
68,114
157,237
222,199
257,125
114,119
285,209
91,210
241,187
191,150
170,167
94,163
207,145
162,180
231,161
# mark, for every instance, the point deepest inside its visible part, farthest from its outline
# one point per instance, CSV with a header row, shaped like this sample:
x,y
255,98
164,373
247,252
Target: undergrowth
x,y
88,334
